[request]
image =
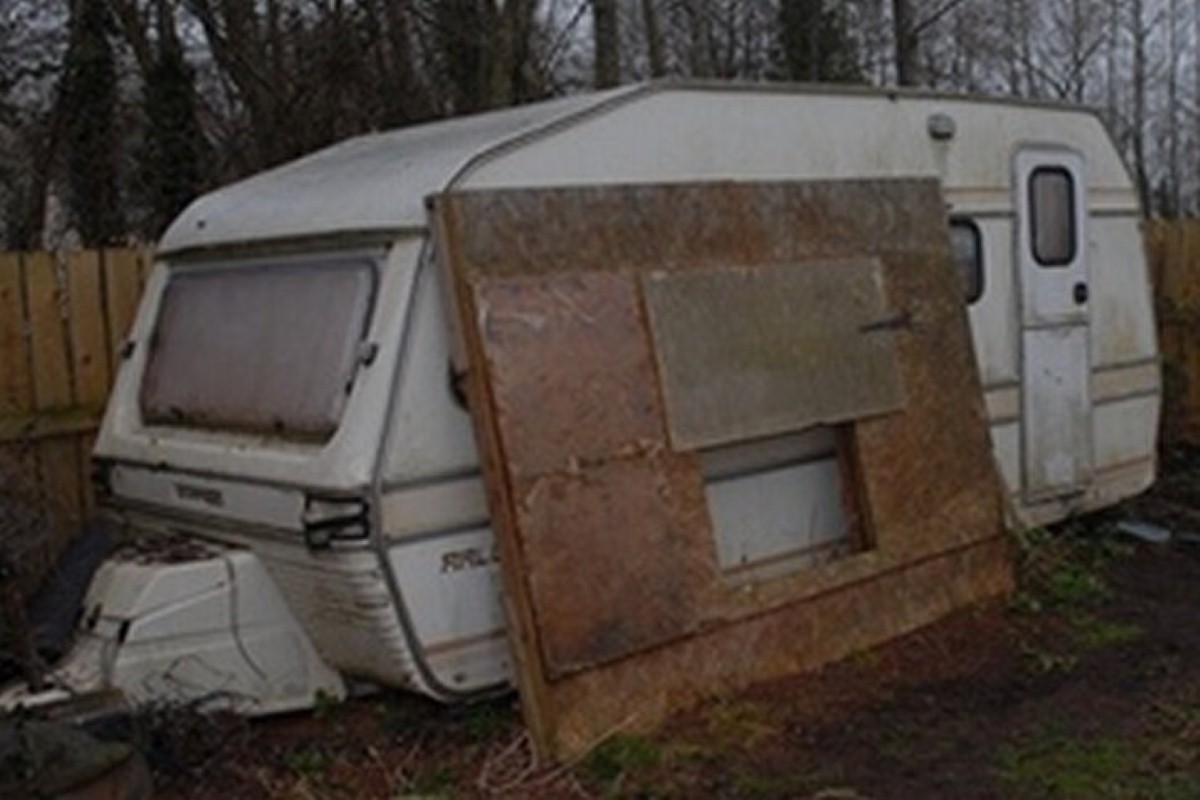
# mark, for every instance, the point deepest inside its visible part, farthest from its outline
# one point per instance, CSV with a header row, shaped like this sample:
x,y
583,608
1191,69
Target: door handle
x,y
1080,293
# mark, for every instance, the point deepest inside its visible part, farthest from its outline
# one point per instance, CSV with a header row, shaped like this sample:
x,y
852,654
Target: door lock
x,y
1080,293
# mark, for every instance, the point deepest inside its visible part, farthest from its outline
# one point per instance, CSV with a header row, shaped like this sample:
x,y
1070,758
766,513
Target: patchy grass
x,y
1100,768
1065,569
753,784
1091,632
619,756
437,780
1071,769
735,724
1044,661
307,760
1063,578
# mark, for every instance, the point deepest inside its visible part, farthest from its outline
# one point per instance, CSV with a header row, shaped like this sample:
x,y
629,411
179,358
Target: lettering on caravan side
x,y
469,558
200,494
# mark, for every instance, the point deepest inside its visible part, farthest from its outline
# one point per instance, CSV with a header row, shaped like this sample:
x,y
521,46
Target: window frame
x,y
980,270
369,263
1072,212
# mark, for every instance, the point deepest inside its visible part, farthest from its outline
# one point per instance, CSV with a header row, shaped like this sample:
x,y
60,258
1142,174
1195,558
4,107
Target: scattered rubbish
x,y
1145,531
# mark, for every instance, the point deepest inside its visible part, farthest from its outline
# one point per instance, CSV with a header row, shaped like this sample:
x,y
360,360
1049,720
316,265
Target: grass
x,y
1063,573
740,724
1091,632
1057,767
755,784
487,719
438,780
308,760
1064,569
1071,769
619,756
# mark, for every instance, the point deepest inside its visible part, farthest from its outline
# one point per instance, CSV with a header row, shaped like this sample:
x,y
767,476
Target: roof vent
x,y
941,127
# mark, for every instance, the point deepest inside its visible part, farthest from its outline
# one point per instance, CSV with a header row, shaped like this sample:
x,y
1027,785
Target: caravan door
x,y
1052,266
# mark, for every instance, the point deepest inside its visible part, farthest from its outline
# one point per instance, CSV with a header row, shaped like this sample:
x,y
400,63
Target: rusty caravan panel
x,y
750,352
618,612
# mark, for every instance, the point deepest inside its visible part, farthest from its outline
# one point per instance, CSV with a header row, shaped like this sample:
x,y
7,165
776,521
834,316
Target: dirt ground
x,y
1085,684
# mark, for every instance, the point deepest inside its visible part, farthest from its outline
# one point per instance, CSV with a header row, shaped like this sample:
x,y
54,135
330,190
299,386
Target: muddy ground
x,y
1085,684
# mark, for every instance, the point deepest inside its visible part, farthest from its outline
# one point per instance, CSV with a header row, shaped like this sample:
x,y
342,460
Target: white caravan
x,y
286,417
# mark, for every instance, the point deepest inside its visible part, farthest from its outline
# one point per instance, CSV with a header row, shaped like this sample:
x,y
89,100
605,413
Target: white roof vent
x,y
941,127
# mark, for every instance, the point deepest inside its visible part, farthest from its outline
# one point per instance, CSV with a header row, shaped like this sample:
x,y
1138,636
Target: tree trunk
x,y
1173,165
509,52
1138,123
1110,63
408,98
703,59
654,40
907,42
33,208
605,37
1011,12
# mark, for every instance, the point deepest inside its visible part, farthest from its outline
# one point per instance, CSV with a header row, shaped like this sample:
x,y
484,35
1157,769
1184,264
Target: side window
x,y
966,244
1052,215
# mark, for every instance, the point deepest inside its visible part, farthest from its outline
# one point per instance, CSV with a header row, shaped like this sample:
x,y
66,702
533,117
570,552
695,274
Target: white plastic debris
x,y
1146,531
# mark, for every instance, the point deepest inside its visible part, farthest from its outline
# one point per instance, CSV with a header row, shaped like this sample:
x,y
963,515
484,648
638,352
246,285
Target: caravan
x,y
288,438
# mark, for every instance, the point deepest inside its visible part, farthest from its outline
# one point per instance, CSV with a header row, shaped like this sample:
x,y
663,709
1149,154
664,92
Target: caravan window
x,y
265,347
966,244
1052,215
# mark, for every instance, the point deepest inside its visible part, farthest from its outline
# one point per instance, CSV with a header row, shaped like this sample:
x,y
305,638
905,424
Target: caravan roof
x,y
368,183
378,182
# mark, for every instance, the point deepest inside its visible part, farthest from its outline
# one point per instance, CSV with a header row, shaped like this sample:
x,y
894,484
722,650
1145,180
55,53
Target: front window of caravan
x,y
267,347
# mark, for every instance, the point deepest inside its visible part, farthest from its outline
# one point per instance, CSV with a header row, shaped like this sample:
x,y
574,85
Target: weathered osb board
x,y
601,457
741,358
617,609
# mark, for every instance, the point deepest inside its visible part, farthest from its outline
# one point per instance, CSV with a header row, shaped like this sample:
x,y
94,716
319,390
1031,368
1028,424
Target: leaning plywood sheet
x,y
581,388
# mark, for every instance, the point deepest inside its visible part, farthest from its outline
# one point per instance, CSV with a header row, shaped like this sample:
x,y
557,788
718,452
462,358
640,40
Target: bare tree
x,y
606,41
1174,184
908,26
654,43
907,42
1139,31
813,43
87,107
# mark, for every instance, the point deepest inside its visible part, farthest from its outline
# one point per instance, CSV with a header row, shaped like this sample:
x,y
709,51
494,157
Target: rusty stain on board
x,y
618,610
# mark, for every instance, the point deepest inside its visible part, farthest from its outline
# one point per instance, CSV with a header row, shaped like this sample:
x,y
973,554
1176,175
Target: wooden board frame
x,y
930,497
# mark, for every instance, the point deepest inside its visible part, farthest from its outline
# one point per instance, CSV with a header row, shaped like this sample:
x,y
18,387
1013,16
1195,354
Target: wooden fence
x,y
63,319
1173,248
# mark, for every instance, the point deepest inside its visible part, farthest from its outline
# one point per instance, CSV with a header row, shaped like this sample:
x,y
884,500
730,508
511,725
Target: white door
x,y
1052,247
